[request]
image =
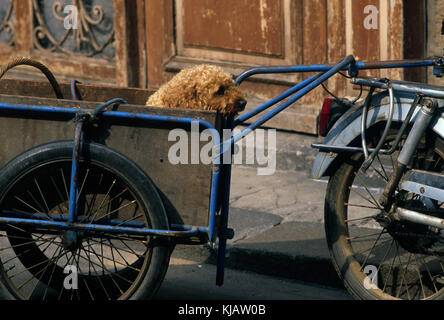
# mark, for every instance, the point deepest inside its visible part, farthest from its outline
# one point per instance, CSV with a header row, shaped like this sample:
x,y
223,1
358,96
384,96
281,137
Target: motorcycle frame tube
x,y
431,91
421,124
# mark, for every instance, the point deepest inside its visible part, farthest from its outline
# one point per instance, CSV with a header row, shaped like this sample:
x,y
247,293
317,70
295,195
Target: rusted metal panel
x,y
253,26
184,188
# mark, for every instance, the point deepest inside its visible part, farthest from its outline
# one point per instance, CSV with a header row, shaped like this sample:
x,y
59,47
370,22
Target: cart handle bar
x,y
353,68
308,86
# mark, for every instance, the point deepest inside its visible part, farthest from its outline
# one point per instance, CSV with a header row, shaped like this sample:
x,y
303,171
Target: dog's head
x,y
210,88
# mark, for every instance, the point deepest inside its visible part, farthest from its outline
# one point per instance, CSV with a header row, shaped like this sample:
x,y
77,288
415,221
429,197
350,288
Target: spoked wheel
x,y
377,256
42,263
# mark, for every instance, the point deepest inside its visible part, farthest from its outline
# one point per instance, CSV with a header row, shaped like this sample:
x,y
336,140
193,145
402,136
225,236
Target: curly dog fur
x,y
204,87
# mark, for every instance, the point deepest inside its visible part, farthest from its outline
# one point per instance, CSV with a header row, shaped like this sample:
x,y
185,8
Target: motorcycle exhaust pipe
x,y
420,218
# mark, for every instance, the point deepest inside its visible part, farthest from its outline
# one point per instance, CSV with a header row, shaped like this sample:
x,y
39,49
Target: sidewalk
x,y
279,226
278,219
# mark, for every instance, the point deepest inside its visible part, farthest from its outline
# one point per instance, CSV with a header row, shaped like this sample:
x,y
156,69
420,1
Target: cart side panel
x,y
95,93
184,188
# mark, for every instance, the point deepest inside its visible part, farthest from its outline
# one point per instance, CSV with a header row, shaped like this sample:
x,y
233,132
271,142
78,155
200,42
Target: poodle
x,y
204,87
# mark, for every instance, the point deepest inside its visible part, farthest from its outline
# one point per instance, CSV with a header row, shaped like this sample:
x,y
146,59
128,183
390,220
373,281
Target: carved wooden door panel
x,y
75,38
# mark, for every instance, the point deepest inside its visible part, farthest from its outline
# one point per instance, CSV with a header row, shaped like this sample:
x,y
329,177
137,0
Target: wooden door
x,y
239,34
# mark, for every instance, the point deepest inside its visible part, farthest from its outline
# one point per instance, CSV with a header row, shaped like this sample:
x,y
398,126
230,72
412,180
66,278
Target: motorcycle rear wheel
x,y
378,260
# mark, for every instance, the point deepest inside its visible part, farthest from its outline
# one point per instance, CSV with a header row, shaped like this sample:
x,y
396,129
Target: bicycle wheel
x,y
376,255
39,263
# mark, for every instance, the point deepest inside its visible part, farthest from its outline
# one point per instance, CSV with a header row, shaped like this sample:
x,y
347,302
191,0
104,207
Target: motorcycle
x,y
384,203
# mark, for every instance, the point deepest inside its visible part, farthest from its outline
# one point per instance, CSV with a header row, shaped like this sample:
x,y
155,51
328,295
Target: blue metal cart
x,y
81,203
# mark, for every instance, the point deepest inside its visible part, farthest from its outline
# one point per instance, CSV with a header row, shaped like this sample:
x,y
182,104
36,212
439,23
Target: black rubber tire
x,y
135,178
336,235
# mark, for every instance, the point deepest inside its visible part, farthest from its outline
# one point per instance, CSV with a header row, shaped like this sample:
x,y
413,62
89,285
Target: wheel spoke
x,y
105,257
403,278
375,202
83,185
365,198
31,207
379,173
391,267
430,274
371,250
116,210
103,200
110,273
419,277
42,196
376,246
366,235
64,184
59,253
62,201
386,253
386,177
93,201
110,245
362,206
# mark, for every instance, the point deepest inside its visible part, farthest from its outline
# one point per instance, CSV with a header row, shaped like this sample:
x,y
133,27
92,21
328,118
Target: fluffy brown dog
x,y
204,87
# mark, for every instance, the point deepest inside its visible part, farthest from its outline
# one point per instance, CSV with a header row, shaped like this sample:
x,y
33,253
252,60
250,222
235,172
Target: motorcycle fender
x,y
348,127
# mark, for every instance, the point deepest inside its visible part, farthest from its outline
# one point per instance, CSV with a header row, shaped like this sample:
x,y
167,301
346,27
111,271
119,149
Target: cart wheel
x,y
41,263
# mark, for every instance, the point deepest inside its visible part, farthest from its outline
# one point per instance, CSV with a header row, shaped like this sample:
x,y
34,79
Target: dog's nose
x,y
240,104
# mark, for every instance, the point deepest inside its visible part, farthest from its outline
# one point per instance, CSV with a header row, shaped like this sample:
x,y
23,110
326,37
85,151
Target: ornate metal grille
x,y
6,22
90,35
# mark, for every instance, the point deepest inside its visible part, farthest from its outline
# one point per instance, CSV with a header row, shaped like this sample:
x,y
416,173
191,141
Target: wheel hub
x,y
413,237
71,241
